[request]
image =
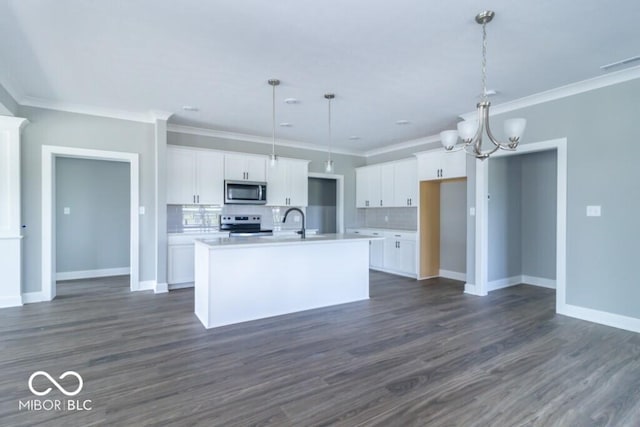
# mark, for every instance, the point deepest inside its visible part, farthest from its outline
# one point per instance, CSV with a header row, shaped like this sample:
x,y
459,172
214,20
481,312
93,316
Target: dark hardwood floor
x,y
415,354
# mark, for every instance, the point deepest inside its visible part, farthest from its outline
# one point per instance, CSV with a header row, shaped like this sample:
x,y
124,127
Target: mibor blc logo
x,y
55,404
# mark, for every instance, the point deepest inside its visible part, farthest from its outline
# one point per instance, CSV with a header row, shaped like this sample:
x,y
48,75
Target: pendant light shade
x,y
328,165
273,159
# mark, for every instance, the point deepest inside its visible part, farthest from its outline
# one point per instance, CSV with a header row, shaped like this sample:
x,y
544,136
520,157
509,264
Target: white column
x,y
10,223
160,148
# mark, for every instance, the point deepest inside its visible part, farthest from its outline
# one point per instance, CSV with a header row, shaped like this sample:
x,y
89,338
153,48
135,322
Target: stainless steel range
x,y
243,225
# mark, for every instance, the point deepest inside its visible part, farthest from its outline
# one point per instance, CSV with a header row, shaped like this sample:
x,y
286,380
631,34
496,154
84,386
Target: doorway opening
x,y
325,210
50,154
92,205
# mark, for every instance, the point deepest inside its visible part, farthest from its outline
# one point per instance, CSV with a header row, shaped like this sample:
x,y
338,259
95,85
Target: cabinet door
x,y
376,254
256,169
387,185
406,256
209,178
235,167
374,193
277,191
298,181
361,188
181,263
429,165
181,177
454,165
406,183
390,253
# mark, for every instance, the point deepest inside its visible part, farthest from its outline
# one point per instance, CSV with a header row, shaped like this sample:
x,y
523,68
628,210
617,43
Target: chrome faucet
x,y
284,219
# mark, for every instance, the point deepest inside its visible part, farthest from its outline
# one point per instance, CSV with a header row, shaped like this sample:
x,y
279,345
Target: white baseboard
x,y
161,288
31,297
88,274
471,289
147,285
174,286
503,283
15,301
454,275
539,281
602,317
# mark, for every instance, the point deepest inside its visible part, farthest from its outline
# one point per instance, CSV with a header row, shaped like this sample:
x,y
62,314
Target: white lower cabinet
x,y
395,254
181,257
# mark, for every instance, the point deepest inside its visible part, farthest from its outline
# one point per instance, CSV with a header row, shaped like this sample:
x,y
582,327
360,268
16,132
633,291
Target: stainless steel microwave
x,y
245,193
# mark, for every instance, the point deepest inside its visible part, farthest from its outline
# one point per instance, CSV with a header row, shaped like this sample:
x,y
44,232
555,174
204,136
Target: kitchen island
x,y
243,279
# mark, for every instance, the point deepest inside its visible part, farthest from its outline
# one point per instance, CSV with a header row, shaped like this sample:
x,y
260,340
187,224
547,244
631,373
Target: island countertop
x,y
264,241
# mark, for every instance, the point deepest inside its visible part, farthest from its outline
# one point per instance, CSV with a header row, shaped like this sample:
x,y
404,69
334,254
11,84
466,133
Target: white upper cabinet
x,y
392,184
440,164
240,167
194,176
287,183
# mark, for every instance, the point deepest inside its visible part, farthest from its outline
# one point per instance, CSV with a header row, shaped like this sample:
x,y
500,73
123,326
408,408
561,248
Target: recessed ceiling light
x,y
286,125
190,108
290,101
354,138
402,122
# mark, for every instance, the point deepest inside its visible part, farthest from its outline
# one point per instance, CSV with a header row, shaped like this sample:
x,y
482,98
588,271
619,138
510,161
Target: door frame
x,y
482,221
49,154
339,196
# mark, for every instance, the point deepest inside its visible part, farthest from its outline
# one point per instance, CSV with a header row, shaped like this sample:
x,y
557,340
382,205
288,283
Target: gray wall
x,y
402,153
539,207
8,105
95,235
505,235
453,226
343,164
49,127
321,212
601,131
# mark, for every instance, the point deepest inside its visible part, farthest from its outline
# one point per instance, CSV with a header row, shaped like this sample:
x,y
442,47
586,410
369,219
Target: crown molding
x,y
571,89
192,130
160,115
113,113
402,145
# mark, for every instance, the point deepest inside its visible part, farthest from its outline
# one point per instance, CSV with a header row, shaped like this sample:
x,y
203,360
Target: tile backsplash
x,y
394,218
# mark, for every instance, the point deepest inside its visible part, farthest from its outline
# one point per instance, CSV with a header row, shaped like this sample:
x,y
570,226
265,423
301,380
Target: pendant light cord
x,y
273,122
484,61
329,129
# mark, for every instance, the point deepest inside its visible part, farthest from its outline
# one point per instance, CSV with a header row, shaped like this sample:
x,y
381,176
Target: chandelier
x,y
471,131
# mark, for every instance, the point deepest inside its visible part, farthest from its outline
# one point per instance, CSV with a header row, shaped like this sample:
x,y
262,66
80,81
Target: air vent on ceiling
x,y
620,63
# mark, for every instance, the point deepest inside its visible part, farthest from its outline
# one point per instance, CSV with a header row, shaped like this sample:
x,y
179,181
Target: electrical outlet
x,y
67,211
386,218
472,211
296,218
141,210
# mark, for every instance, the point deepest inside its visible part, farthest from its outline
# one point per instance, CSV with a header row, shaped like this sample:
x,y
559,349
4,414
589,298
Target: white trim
x,y
454,275
113,113
562,92
539,281
602,317
482,229
402,145
88,274
32,297
160,288
6,302
49,153
176,286
504,283
234,136
147,285
339,196
471,289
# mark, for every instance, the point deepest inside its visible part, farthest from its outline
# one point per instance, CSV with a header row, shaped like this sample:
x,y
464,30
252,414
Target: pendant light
x,y
471,131
273,159
328,165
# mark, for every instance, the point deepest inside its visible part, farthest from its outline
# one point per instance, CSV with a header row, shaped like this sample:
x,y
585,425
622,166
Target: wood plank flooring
x,y
416,354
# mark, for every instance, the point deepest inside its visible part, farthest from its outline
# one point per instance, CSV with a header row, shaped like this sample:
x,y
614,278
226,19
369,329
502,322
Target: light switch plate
x,y
472,211
67,211
141,210
594,211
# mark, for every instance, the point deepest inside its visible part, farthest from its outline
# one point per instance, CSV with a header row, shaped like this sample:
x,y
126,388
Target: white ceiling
x,y
415,60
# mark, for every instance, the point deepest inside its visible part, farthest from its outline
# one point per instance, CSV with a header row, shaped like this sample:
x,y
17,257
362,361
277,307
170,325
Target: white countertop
x,y
265,241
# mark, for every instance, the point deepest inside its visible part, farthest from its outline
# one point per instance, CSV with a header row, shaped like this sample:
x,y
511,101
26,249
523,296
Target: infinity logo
x,y
55,383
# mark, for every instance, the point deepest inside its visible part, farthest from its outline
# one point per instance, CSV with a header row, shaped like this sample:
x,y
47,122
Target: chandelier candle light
x,y
471,131
273,159
328,165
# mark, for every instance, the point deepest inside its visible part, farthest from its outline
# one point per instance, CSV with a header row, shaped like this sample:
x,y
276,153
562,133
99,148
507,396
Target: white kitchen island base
x,y
247,279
